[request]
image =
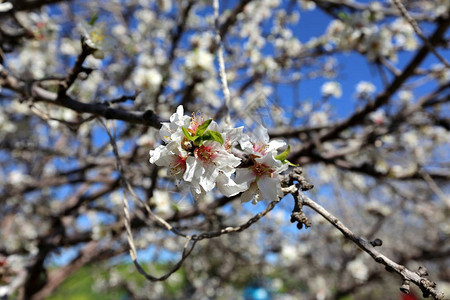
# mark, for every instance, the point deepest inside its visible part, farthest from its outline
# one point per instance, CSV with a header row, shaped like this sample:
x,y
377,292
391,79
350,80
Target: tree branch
x,y
428,287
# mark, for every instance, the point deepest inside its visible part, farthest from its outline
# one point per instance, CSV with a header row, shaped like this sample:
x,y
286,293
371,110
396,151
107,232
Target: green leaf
x,y
93,19
289,163
198,140
283,155
343,16
212,135
187,134
201,129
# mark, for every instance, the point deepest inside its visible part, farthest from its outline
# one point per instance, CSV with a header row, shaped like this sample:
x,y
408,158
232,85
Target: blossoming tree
x,y
181,141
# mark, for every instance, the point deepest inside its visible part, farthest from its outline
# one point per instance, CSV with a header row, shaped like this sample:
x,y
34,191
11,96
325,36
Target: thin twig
x,y
435,188
133,252
222,72
256,218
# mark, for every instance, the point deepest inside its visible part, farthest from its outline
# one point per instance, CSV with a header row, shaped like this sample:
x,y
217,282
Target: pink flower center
x,y
205,153
262,170
260,148
178,166
196,122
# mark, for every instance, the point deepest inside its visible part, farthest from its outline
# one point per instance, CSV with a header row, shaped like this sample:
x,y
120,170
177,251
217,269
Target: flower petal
x,y
192,167
275,145
244,175
270,188
208,178
228,187
269,160
249,194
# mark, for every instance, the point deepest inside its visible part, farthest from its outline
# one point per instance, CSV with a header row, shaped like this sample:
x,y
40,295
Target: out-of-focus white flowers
x,y
204,155
331,88
199,61
358,269
149,79
5,6
377,208
319,118
378,117
405,96
162,201
360,32
364,89
95,37
441,73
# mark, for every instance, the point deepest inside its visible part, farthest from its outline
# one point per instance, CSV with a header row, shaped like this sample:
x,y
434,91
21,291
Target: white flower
x,y
5,6
364,89
227,186
4,289
331,88
172,131
203,168
95,37
405,96
201,154
410,139
289,252
377,208
200,60
261,179
441,73
148,78
358,269
172,156
378,117
379,44
162,201
259,143
319,119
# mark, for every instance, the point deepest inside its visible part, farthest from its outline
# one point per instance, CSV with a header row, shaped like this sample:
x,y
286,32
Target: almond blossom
x,y
261,175
170,156
201,158
203,155
261,179
203,168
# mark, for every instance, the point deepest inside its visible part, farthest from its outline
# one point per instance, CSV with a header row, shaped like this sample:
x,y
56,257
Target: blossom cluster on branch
x,y
203,154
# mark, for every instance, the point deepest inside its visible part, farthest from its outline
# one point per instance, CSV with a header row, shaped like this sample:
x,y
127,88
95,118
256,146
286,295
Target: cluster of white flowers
x,y
204,155
360,32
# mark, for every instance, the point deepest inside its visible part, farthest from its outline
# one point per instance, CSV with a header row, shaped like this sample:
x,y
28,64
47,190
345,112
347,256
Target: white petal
x,y
224,159
4,7
228,187
269,187
244,175
269,160
191,168
261,134
160,155
249,194
275,145
233,134
245,143
208,178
